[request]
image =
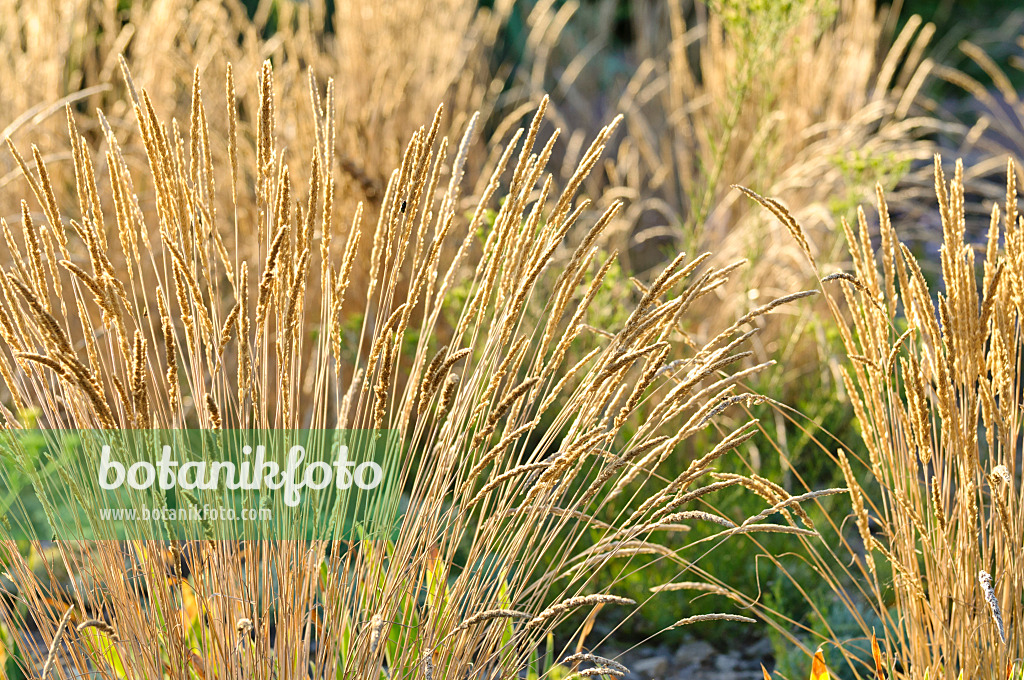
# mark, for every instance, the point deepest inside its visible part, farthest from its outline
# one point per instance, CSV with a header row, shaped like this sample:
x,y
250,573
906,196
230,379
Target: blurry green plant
x,y
865,169
755,29
11,657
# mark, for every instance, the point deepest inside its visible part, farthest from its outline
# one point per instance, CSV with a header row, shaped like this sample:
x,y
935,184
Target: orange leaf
x,y
818,669
190,605
588,626
877,653
61,605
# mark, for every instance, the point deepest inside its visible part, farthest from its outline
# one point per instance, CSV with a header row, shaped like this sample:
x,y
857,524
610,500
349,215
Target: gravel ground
x,y
698,660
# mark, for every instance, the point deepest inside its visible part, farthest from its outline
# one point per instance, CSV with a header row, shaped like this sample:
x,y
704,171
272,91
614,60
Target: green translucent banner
x,y
198,484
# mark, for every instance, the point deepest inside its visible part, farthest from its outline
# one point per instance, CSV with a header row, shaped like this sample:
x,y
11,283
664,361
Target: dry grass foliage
x,y
508,453
983,126
787,98
392,64
935,380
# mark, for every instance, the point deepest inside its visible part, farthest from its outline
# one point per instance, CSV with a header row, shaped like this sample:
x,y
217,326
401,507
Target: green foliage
x,y
787,452
862,168
758,24
609,307
12,660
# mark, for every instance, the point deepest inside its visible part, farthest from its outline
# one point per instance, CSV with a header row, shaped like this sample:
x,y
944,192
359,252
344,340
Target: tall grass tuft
x,y
191,316
934,376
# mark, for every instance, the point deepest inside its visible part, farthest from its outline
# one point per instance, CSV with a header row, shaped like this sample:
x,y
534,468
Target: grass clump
x,y
934,379
193,317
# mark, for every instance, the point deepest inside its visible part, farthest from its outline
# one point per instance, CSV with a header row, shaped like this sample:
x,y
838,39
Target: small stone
x,y
655,667
725,675
726,662
760,650
696,653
